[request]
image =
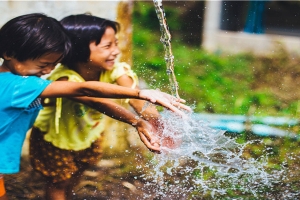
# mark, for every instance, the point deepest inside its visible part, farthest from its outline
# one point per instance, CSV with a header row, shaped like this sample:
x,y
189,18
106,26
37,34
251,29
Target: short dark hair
x,y
33,35
83,29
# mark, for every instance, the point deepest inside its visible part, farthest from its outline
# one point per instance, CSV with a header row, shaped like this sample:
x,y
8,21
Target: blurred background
x,y
236,63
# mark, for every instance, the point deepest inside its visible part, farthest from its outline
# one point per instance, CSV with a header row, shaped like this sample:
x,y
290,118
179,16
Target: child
x,y
31,45
65,133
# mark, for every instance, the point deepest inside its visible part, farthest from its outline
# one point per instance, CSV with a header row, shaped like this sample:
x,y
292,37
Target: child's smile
x,y
104,54
37,67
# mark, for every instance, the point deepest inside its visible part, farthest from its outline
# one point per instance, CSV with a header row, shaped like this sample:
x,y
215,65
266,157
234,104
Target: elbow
x,y
85,91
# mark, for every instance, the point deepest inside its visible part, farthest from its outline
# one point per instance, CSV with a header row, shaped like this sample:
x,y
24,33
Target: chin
x,y
110,67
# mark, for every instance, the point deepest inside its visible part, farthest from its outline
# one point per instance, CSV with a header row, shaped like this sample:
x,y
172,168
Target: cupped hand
x,y
171,141
147,136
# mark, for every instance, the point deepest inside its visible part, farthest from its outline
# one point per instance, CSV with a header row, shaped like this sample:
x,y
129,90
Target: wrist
x,y
135,121
138,93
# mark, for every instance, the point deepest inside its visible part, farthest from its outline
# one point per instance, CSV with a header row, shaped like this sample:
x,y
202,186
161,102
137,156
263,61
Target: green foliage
x,y
145,16
211,82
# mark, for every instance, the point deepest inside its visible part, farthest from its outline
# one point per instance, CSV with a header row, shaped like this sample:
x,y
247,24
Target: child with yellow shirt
x,y
32,45
67,134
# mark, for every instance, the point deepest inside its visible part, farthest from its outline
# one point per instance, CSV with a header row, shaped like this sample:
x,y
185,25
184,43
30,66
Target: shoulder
x,y
122,65
120,69
63,71
28,80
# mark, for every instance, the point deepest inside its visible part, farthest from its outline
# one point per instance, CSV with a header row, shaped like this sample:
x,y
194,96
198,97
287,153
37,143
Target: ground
x,y
105,181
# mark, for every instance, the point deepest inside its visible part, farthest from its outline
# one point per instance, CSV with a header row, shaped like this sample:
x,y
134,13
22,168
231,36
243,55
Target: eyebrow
x,y
49,63
106,43
46,63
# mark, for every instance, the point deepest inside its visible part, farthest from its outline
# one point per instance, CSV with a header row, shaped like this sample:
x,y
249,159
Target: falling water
x,y
166,40
199,162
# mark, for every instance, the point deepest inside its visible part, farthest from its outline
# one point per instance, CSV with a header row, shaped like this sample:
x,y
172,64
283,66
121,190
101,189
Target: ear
x,y
6,57
92,45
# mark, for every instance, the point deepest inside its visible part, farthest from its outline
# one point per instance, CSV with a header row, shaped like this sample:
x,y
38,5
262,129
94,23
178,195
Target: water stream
x,y
166,41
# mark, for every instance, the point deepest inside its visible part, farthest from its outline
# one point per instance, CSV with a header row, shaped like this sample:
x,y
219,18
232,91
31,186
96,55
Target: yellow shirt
x,y
71,125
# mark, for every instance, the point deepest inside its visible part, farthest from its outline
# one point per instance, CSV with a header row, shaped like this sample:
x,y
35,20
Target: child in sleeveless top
x,y
67,134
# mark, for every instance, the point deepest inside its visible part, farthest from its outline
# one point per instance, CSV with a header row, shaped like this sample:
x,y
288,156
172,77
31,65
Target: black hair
x,y
83,29
31,36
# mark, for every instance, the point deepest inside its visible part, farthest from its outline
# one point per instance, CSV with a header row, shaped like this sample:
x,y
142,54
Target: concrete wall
x,y
57,9
215,39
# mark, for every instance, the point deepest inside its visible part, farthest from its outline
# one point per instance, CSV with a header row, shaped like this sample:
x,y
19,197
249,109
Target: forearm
x,y
114,110
144,109
107,90
89,88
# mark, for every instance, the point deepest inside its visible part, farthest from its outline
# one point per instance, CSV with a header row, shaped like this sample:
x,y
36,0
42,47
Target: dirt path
x,y
105,181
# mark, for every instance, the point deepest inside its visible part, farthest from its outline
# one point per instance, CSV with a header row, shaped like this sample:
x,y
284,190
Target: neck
x,y
4,67
87,72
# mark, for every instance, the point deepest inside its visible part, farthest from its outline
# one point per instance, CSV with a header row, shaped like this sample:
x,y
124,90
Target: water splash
x,y
199,162
206,163
166,40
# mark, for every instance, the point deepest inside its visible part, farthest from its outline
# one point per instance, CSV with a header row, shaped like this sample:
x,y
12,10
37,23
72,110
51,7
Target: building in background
x,y
260,27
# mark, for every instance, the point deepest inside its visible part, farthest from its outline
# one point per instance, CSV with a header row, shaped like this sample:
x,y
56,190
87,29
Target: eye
x,y
44,66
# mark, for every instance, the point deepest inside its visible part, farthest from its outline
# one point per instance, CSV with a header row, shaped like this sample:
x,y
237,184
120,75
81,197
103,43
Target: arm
x,y
149,113
105,90
89,88
118,112
114,110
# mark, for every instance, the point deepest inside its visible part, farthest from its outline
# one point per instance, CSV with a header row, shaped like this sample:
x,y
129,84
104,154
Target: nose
x,y
116,51
48,69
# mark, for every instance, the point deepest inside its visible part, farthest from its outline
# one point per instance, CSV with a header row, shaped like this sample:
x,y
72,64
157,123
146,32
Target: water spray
x,y
166,41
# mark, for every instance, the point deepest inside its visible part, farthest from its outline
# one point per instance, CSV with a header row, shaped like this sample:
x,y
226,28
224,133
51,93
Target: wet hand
x,y
145,131
158,137
166,100
171,141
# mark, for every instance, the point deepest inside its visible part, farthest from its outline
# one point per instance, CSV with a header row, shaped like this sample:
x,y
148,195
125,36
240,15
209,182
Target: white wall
x,y
215,39
57,9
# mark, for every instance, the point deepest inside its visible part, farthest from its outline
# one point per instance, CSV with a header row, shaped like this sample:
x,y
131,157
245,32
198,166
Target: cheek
x,y
23,70
97,55
33,71
98,58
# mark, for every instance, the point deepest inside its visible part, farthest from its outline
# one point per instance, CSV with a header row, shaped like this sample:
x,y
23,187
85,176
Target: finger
x,y
172,108
156,151
180,105
152,147
173,98
180,100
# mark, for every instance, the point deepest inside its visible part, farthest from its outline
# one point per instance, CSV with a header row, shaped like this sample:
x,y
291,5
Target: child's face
x,y
104,54
37,67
